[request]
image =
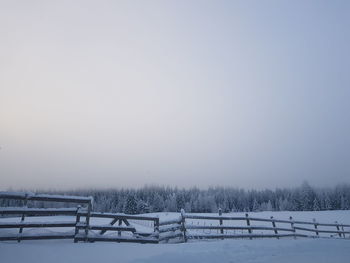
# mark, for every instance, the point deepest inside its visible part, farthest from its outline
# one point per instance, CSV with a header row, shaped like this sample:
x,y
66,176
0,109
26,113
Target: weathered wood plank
x,y
118,239
322,231
338,229
145,234
221,222
170,236
120,222
108,228
218,236
126,222
170,222
37,237
183,225
37,211
77,221
22,218
274,227
156,228
319,224
170,228
119,216
37,224
45,197
87,219
189,216
240,228
268,220
248,224
315,225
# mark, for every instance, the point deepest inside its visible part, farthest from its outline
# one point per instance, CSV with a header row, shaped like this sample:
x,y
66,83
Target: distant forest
x,y
161,199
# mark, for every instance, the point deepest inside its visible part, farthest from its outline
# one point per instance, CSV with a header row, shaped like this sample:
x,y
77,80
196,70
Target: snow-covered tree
x,y
130,206
316,205
256,206
158,203
152,198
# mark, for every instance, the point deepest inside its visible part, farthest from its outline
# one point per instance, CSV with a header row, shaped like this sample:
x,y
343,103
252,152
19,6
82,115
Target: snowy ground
x,y
237,250
267,250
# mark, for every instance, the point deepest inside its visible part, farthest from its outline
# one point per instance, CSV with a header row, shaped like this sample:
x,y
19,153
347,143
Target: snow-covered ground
x,y
233,250
256,250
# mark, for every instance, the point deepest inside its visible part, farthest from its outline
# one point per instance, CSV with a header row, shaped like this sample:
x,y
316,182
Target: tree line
x,y
171,199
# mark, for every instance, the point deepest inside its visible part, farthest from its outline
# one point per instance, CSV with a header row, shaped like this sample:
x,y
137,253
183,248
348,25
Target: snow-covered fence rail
x,y
28,212
28,196
170,229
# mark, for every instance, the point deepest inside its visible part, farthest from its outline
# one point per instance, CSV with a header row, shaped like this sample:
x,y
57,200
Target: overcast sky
x,y
249,94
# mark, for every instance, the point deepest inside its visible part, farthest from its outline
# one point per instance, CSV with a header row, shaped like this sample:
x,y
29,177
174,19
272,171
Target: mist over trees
x,y
161,199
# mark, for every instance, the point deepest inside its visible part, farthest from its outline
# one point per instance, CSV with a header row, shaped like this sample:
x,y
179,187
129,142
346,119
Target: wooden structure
x,y
123,226
285,228
26,212
86,225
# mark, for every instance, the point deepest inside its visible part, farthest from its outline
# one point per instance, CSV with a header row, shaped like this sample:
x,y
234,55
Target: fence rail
x,y
37,211
296,227
36,237
44,197
124,228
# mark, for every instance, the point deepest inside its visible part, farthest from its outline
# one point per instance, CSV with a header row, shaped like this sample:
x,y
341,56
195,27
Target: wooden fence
x,y
78,229
39,212
277,229
86,225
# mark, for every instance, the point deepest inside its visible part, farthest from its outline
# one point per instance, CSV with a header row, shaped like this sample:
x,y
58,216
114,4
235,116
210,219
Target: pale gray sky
x,y
126,93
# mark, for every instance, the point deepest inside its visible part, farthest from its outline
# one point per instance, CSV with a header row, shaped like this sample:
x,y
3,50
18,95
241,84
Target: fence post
x,y
221,222
87,220
315,224
156,228
77,221
248,224
338,229
22,218
274,226
183,226
292,226
342,229
120,222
